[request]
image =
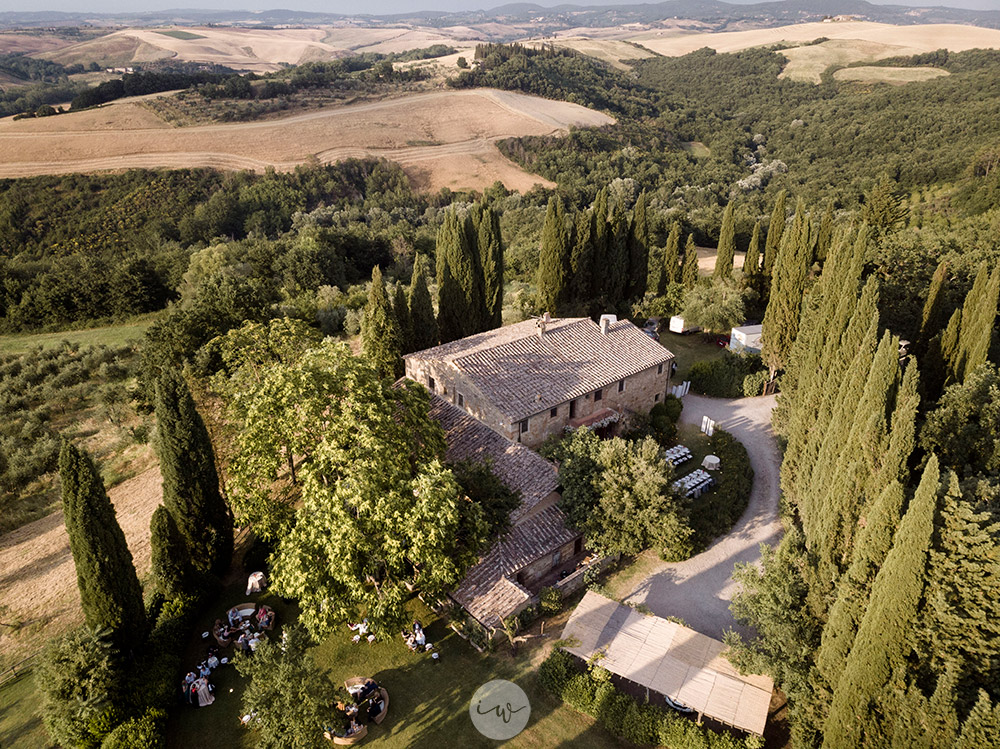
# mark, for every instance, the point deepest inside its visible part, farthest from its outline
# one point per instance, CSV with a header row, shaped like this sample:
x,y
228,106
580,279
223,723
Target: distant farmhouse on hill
x,y
536,378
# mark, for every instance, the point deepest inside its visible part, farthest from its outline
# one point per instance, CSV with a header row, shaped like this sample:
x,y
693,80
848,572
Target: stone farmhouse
x,y
539,544
533,379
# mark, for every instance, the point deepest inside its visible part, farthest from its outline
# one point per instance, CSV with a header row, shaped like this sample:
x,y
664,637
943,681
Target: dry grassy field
x,y
442,138
874,74
850,41
612,51
258,50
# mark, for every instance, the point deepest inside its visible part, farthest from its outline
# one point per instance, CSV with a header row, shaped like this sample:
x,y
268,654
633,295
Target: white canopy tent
x,y
684,665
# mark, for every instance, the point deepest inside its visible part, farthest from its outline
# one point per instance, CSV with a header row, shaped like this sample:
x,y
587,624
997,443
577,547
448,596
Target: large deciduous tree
x,y
110,593
190,481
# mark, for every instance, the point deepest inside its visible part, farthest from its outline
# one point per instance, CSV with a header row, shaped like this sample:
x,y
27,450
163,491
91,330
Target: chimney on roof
x,y
606,321
542,322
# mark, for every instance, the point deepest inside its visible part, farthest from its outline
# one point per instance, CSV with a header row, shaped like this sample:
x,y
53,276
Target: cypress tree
x,y
881,643
581,281
602,239
932,319
982,726
726,252
671,258
979,314
455,274
553,258
616,268
490,244
751,263
950,356
401,311
171,566
190,482
422,320
824,234
110,593
380,340
638,243
775,232
927,724
689,271
791,269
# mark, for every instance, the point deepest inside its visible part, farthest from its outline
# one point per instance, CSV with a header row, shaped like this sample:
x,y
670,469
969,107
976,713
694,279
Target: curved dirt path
x,y
699,589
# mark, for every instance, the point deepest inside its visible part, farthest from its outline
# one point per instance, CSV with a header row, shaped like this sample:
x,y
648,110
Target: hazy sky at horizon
x,y
374,7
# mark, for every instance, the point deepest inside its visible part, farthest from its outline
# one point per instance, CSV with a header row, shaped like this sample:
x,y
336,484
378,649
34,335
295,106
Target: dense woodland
x,y
871,259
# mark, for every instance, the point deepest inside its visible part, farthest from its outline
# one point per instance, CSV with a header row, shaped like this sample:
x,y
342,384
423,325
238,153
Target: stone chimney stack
x,y
542,323
605,325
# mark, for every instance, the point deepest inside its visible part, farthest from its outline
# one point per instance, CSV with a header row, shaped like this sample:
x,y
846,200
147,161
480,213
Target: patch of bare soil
x,y
38,577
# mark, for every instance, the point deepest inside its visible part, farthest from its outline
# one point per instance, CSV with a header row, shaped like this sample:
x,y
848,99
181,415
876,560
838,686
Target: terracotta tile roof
x,y
523,470
489,591
522,373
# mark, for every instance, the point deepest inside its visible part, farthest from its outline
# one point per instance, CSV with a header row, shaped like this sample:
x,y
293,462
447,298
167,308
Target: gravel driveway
x,y
698,590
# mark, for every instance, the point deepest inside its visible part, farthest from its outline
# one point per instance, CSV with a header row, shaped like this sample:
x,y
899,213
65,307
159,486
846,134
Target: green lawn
x,y
111,335
688,349
20,719
428,700
177,34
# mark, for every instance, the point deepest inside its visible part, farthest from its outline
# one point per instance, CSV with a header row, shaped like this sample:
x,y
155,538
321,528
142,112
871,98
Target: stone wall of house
x,y
641,392
445,380
533,572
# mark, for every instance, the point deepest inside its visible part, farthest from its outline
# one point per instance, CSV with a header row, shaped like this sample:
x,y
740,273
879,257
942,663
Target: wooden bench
x,y
355,738
245,610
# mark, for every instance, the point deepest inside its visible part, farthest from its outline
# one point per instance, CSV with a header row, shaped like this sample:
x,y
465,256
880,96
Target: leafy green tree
x,y
638,249
481,485
964,429
380,338
554,258
855,716
422,319
79,676
288,695
791,269
689,267
171,565
775,233
190,481
726,252
110,593
927,723
401,311
718,307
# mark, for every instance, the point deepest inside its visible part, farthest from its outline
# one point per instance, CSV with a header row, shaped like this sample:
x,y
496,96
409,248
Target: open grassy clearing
x,y
180,34
20,719
876,74
110,335
688,349
428,701
465,123
696,148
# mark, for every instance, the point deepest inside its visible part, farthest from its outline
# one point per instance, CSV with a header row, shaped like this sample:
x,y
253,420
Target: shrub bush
x,y
579,692
556,671
753,384
724,378
714,513
147,731
663,419
642,724
550,600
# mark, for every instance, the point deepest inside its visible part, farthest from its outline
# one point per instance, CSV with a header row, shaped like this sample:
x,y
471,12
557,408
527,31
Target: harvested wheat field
x,y
875,74
37,574
442,138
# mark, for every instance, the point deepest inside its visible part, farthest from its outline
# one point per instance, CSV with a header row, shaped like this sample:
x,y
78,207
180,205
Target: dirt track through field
x,y
447,136
699,589
37,574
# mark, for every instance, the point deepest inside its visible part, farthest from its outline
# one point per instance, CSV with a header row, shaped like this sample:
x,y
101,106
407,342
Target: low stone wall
x,y
574,582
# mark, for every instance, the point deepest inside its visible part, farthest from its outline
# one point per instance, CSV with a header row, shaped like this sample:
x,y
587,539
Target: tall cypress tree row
x,y
455,275
422,320
617,256
689,270
775,233
639,243
380,339
491,260
170,564
791,269
553,258
581,263
751,263
401,311
110,593
856,717
190,482
726,252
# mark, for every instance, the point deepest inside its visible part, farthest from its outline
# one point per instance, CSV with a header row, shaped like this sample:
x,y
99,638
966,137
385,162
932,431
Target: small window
x,y
657,397
621,386
572,409
557,558
523,426
461,400
431,384
659,369
553,412
598,394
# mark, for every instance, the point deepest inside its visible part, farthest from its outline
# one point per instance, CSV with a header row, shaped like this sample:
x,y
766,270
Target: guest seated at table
x,y
254,640
375,707
361,627
212,661
367,689
265,617
408,639
234,617
243,643
418,635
